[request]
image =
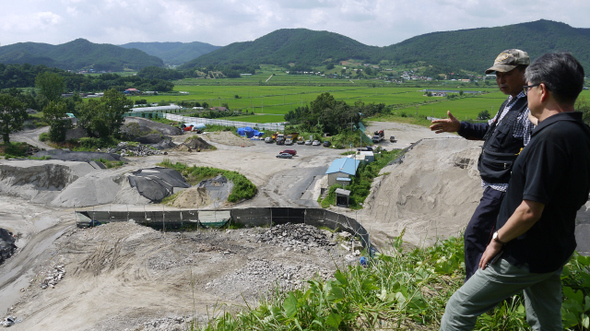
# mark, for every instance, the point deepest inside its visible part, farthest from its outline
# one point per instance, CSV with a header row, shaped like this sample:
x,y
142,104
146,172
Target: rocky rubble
x,y
177,323
259,275
126,149
295,236
53,277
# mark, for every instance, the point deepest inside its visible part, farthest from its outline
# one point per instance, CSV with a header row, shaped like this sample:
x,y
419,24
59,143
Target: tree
x,y
484,115
103,117
583,106
12,116
55,114
50,85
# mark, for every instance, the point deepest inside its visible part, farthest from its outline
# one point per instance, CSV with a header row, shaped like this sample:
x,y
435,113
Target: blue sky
x,y
221,22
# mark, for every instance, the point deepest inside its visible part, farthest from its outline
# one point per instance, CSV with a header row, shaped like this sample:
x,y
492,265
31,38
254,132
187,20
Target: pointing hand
x,y
450,124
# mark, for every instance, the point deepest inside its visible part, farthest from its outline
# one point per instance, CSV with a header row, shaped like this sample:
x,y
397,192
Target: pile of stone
x,y
53,277
7,246
261,274
126,149
177,323
295,236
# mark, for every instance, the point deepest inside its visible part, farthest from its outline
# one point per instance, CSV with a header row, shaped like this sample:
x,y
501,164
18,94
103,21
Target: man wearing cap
x,y
535,234
504,136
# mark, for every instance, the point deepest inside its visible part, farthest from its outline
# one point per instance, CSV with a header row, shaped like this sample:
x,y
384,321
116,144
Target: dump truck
x,y
291,137
378,136
280,139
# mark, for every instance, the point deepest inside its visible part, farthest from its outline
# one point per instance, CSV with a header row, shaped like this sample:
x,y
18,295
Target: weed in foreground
x,y
401,291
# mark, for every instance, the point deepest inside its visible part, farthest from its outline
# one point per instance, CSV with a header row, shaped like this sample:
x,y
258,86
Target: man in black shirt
x,y
535,227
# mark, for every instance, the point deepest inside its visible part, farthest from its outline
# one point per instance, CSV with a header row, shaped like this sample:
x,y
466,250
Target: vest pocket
x,y
495,167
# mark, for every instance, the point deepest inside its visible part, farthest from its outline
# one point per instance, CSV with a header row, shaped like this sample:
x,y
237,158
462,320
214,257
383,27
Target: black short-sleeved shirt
x,y
553,169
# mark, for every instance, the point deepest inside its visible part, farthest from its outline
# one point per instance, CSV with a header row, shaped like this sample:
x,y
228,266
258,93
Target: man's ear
x,y
543,91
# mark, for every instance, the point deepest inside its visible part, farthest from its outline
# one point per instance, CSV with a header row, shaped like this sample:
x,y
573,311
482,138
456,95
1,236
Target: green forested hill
x,y
295,46
476,49
473,49
442,52
174,53
78,54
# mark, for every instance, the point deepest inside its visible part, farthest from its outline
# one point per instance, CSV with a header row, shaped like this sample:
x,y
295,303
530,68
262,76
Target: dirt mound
x,y
209,193
194,197
194,143
137,126
430,193
228,138
40,181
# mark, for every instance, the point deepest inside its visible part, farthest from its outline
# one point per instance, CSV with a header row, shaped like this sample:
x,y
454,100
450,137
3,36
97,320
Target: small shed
x,y
342,197
365,156
342,170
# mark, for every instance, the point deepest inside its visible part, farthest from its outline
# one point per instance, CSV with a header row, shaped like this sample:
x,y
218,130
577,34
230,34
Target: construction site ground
x,y
123,276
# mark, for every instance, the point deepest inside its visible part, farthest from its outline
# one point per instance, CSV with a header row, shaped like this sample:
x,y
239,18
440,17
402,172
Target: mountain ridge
x,y
444,51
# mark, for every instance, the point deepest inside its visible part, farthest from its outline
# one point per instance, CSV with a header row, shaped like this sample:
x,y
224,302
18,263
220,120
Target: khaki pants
x,y
487,288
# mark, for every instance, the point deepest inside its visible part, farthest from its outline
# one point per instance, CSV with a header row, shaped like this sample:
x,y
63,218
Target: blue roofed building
x,y
342,170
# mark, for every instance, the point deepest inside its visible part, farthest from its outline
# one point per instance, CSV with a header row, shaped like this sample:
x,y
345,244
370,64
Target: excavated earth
x,y
123,276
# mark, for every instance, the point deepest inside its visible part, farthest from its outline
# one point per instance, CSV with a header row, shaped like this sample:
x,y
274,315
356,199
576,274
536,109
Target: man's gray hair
x,y
561,73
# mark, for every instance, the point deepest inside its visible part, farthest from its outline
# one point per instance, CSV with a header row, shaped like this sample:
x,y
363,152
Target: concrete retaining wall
x,y
245,216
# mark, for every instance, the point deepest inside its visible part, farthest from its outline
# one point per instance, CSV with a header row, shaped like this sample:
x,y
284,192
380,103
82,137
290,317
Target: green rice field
x,y
270,103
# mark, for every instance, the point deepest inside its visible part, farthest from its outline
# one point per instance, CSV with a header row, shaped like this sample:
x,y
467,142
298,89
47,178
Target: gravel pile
x,y
177,323
295,236
260,275
126,149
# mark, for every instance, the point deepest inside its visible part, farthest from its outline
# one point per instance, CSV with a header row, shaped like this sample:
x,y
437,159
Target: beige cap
x,y
508,60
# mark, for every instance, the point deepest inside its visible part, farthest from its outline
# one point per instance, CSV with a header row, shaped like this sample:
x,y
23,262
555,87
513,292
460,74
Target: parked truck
x,y
291,138
280,140
378,136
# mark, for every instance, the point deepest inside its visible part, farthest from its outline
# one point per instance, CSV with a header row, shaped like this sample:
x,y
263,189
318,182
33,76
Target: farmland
x,y
263,103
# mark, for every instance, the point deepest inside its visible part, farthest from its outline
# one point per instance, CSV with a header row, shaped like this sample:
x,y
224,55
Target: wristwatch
x,y
496,238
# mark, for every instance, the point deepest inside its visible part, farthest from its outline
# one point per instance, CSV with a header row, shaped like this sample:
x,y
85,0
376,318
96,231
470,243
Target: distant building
x,y
131,90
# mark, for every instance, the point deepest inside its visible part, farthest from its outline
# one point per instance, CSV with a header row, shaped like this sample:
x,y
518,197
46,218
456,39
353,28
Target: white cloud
x,y
221,22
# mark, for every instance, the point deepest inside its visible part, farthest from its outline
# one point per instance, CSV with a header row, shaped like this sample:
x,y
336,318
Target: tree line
x,y
100,118
24,75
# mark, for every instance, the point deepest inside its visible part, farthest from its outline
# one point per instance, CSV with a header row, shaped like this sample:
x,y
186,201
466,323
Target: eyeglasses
x,y
526,88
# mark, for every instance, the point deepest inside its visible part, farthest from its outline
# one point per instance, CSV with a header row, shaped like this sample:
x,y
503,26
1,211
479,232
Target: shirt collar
x,y
573,116
512,99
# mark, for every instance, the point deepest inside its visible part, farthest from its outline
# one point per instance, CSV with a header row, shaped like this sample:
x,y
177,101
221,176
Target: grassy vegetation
x,y
243,188
14,150
360,186
270,103
404,291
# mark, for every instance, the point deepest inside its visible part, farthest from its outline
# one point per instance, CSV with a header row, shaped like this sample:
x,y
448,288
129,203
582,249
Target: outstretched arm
x,y
450,124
